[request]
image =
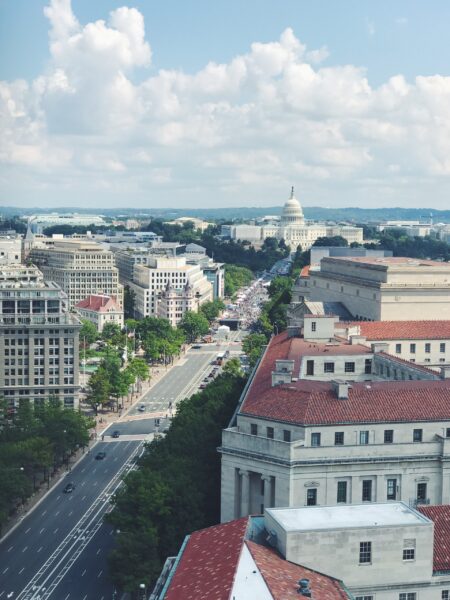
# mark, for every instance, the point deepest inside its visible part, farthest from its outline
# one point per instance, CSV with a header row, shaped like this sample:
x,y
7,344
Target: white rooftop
x,y
313,518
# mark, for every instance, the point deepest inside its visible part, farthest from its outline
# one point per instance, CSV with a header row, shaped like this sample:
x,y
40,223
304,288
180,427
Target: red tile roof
x,y
305,271
98,303
315,403
440,515
208,564
402,330
282,576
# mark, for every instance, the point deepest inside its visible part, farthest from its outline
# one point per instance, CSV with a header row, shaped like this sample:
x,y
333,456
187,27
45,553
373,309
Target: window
x,y
328,367
253,428
445,595
313,326
447,432
421,493
310,367
427,348
311,497
412,348
349,367
367,490
388,436
442,347
407,596
417,435
409,549
363,437
391,489
365,552
270,433
342,491
286,435
363,597
315,439
398,348
339,438
368,366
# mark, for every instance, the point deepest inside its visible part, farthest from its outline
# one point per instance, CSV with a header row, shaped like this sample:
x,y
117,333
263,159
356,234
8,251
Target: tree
x,y
88,333
139,368
98,389
281,286
253,346
194,325
235,278
111,332
233,367
211,310
335,240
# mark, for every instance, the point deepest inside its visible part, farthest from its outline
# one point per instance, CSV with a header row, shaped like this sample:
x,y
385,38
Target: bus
x,y
220,358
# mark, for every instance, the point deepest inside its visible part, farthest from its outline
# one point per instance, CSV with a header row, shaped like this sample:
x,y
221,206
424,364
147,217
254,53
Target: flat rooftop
x,y
314,518
388,261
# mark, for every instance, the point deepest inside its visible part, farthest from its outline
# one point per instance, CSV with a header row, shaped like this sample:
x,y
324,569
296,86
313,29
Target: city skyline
x,y
119,108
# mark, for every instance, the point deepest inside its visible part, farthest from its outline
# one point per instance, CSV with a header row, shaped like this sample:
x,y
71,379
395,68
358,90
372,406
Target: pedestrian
x,y
103,436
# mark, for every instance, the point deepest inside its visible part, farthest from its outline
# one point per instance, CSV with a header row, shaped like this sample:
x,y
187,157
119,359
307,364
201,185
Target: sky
x,y
152,103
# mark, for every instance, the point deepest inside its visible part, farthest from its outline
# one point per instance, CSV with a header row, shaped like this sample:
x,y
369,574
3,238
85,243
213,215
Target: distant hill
x,y
352,214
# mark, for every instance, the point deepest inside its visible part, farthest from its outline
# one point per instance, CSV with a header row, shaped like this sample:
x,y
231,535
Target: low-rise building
x,y
39,353
99,310
330,421
10,249
385,551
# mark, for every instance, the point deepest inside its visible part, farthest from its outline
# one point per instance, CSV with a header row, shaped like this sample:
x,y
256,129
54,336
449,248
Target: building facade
x,y
80,268
325,421
99,310
39,354
10,249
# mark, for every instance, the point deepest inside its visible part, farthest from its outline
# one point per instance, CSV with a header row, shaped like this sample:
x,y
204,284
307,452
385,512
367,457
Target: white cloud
x,y
244,129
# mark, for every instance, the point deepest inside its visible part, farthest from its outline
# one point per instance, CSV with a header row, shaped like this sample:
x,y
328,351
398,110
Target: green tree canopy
x,y
194,325
211,310
88,332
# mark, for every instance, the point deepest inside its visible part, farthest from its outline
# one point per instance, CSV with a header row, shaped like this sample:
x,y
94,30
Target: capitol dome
x,y
292,212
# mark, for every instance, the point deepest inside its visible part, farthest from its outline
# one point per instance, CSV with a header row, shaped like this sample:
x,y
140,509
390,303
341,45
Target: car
x,y
69,488
202,386
100,455
206,379
115,434
196,347
141,408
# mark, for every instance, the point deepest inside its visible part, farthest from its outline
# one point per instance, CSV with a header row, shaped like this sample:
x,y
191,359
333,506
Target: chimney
x,y
445,372
380,347
340,388
357,339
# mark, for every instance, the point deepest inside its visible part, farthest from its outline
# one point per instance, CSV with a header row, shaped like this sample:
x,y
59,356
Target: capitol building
x,y
292,228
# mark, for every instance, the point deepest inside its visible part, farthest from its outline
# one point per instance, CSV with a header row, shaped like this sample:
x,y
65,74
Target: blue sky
x,y
182,137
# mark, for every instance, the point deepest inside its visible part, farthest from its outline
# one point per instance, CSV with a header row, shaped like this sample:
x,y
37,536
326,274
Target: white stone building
x,y
293,229
385,552
326,421
381,289
100,309
10,249
80,268
151,280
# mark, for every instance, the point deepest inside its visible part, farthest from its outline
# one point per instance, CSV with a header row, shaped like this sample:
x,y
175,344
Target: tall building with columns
x,y
328,421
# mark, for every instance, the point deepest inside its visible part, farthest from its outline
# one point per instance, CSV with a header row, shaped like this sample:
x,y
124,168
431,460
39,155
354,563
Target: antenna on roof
x,y
292,192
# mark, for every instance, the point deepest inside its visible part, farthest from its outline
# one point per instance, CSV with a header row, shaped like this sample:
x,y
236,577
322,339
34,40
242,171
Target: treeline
x,y
34,441
414,247
176,488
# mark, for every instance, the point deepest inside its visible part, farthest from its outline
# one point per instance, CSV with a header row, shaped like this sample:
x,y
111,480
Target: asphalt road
x,y
40,556
59,551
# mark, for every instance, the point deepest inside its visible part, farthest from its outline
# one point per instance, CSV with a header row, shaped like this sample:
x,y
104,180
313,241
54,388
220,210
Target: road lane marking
x,y
56,514
21,570
10,548
2,593
25,549
29,529
56,530
83,573
85,597
83,470
83,498
43,529
99,550
67,596
40,548
43,513
99,573
71,513
7,569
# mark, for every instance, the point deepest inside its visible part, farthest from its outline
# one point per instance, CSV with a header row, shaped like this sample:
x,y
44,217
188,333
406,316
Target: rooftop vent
x,y
303,588
340,388
272,538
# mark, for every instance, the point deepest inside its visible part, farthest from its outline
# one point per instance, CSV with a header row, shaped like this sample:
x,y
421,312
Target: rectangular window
x,y
427,348
447,432
409,549
388,436
286,435
270,433
407,596
422,493
342,492
363,597
391,489
367,490
365,552
339,438
398,348
442,347
412,348
328,367
310,367
349,367
445,595
363,437
253,428
315,439
311,497
417,435
368,366
313,326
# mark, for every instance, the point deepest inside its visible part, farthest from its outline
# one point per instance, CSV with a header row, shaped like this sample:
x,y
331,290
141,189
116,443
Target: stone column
x,y
245,492
267,490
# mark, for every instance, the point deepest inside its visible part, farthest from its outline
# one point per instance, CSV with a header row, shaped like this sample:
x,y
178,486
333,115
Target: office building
x,y
81,268
39,339
10,248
